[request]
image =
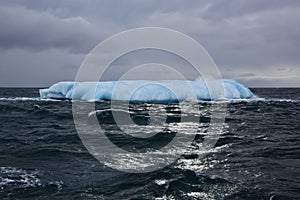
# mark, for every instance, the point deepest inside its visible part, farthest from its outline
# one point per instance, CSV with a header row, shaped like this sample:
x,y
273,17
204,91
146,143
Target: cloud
x,y
22,68
266,76
247,75
29,29
247,39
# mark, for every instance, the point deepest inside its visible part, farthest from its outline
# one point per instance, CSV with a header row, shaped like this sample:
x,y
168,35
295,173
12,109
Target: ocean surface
x,y
256,157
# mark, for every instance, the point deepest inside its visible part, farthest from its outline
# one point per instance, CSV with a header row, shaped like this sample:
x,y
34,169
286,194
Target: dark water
x,y
256,157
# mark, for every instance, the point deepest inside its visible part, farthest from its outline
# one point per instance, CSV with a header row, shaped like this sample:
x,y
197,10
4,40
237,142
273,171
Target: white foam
x,y
161,181
107,110
21,177
25,99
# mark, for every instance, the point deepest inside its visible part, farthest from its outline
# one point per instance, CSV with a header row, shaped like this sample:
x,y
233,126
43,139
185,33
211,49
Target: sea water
x,y
256,157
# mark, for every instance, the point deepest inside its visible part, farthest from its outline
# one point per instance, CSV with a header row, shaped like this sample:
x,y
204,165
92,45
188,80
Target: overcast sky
x,y
256,42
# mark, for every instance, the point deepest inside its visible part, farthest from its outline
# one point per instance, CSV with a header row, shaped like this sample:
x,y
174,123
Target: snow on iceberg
x,y
142,90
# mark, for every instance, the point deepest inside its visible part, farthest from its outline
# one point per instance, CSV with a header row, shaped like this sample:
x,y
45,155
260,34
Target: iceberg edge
x,y
143,91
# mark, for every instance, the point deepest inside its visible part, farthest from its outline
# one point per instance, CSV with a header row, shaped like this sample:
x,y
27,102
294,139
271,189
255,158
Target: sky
x,y
256,42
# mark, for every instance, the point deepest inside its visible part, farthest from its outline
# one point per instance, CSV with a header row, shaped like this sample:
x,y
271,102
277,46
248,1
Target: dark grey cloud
x,y
238,8
23,68
33,30
256,42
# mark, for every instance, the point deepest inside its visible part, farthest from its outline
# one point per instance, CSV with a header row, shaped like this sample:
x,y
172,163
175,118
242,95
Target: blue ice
x,y
166,91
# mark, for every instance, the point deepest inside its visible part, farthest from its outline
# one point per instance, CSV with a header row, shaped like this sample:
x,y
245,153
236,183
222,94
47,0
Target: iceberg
x,y
165,91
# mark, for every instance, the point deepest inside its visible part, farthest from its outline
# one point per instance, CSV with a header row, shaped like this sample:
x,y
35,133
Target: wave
x,y
26,99
252,99
18,176
14,179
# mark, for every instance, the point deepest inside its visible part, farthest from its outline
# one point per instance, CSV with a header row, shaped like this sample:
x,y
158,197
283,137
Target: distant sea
x,y
256,157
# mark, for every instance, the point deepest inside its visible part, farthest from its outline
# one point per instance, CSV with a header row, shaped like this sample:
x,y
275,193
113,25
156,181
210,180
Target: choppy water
x,y
256,157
